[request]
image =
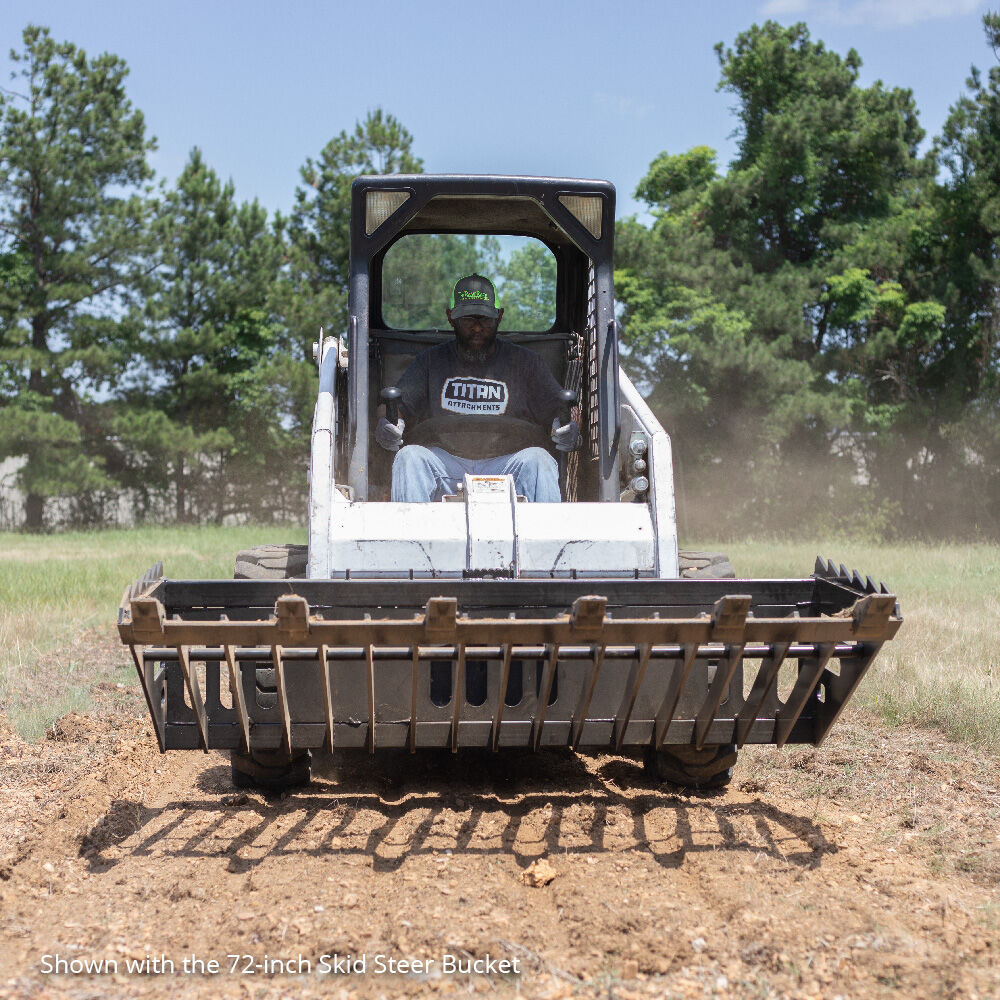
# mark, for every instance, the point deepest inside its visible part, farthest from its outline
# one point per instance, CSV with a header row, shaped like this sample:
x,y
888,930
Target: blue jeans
x,y
420,474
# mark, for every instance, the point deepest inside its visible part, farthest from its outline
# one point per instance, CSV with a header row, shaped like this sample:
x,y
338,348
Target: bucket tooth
x,y
764,683
675,688
457,697
810,670
370,679
501,696
720,685
197,703
586,694
277,658
632,685
239,699
588,613
322,658
543,696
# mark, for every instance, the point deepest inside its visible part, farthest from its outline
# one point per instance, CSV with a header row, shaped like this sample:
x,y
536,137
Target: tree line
x,y
816,323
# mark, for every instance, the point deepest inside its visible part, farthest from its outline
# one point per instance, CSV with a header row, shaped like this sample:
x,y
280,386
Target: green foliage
x,y
214,400
419,274
420,271
672,177
316,286
526,287
819,318
72,238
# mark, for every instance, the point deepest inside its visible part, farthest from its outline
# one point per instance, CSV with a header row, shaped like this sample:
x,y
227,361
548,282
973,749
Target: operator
x,y
476,405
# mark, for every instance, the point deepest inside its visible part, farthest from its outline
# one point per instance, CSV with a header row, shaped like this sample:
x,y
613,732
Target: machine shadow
x,y
391,808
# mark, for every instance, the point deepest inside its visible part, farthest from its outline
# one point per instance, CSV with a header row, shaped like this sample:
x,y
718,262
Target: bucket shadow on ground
x,y
387,810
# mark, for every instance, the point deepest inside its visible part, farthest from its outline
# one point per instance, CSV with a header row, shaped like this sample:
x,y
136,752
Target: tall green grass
x,y
56,588
943,669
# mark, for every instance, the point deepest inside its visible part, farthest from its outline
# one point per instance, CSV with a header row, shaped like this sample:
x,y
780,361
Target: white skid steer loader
x,y
480,620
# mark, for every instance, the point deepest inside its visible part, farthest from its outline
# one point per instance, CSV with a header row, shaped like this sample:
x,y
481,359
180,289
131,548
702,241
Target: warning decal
x,y
463,394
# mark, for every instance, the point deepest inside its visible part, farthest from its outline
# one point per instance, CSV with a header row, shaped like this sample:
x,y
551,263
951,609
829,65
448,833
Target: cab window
x,y
420,270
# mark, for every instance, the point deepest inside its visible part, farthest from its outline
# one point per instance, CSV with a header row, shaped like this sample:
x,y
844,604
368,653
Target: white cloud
x,y
876,13
624,107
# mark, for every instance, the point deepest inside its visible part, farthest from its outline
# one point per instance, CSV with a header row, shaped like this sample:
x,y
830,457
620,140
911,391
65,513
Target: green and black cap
x,y
474,295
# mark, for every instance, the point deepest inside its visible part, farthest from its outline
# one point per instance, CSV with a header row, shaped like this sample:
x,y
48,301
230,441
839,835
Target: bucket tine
x,y
810,670
632,685
322,654
767,677
183,656
457,696
723,676
413,699
498,714
277,657
839,689
586,693
239,701
370,673
147,690
675,688
543,696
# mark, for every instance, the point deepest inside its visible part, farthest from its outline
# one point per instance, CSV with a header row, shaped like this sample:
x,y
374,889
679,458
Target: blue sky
x,y
581,89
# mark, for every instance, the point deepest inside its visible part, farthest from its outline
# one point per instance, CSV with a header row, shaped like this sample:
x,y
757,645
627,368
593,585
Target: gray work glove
x,y
390,436
567,437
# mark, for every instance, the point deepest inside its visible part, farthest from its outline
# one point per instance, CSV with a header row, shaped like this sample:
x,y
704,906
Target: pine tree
x,y
203,408
72,244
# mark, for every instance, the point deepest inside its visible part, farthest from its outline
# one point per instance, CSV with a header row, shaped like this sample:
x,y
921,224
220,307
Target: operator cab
x,y
548,242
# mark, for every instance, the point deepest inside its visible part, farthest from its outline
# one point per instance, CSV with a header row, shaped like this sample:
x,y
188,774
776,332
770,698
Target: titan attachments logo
x,y
463,394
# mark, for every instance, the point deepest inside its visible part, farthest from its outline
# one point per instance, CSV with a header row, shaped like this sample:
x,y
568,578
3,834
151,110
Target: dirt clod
x,y
539,873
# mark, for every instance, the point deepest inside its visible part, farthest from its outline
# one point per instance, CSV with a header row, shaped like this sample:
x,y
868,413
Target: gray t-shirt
x,y
469,408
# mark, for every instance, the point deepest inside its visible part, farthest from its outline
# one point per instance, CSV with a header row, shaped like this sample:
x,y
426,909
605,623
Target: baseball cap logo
x,y
474,295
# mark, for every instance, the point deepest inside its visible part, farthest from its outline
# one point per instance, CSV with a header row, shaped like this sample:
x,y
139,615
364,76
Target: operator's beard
x,y
476,357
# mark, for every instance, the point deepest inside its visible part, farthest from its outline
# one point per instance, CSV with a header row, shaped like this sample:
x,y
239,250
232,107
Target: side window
x,y
420,271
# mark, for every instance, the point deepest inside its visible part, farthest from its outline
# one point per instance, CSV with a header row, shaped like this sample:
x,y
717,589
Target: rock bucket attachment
x,y
597,665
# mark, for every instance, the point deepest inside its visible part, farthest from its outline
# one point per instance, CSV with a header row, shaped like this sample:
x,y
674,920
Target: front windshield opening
x,y
420,270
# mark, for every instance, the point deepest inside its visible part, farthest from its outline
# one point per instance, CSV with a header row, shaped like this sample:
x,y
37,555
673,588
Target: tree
x,y
315,292
527,288
72,241
205,413
755,309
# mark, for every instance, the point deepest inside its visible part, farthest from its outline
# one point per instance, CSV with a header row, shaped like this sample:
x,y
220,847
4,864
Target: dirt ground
x,y
867,868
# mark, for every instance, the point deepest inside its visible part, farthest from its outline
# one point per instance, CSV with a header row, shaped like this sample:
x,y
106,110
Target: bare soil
x,y
867,868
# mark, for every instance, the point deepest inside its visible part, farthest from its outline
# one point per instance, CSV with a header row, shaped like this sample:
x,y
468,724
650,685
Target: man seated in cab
x,y
476,405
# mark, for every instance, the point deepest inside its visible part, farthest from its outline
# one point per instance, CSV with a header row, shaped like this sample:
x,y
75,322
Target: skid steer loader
x,y
481,620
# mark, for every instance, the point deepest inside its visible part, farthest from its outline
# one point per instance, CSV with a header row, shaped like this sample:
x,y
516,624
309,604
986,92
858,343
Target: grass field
x,y
54,588
943,670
